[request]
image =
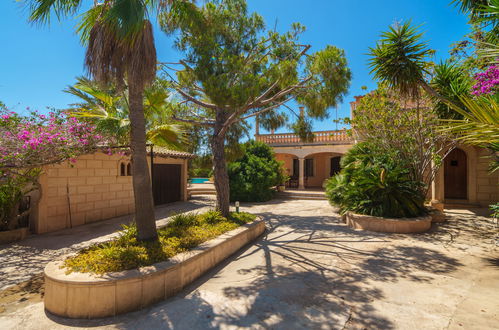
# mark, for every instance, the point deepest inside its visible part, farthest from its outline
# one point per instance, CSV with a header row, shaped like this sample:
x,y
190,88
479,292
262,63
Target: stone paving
x,y
309,271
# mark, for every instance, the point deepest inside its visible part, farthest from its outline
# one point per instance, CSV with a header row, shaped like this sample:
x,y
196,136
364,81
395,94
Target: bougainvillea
x,y
487,82
36,139
28,142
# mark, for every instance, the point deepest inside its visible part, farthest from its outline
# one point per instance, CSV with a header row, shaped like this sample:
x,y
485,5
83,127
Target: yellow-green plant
x,y
480,124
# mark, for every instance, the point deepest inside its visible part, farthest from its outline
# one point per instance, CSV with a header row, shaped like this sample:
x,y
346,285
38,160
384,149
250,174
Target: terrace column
x,y
301,173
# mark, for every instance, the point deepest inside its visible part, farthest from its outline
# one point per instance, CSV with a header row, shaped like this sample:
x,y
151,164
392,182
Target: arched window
x,y
122,169
129,169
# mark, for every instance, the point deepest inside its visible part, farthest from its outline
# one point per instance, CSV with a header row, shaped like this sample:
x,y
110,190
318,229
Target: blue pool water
x,y
199,180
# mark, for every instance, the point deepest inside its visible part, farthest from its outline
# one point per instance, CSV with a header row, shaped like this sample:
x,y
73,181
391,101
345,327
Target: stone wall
x,y
483,186
88,190
487,191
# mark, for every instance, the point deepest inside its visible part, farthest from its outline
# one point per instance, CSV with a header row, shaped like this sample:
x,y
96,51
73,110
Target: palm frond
x,y
40,10
166,135
480,123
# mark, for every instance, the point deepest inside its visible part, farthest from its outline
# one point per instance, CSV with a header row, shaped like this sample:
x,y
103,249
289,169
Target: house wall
x,y
287,159
322,164
483,186
88,190
487,191
321,172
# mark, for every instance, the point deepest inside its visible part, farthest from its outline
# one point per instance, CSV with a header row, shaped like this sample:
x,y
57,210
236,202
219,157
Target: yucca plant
x,y
375,182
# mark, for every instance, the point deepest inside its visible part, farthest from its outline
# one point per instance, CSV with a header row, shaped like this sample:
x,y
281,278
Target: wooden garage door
x,y
166,183
455,175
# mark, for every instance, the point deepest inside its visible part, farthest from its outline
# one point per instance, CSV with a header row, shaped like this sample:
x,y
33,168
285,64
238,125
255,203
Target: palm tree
x,y
401,60
120,47
484,13
109,110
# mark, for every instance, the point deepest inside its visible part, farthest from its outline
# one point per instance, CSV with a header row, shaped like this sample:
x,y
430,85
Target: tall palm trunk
x,y
142,189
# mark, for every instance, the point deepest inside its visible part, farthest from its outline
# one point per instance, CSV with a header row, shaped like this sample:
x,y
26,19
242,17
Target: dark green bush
x,y
254,175
200,172
375,182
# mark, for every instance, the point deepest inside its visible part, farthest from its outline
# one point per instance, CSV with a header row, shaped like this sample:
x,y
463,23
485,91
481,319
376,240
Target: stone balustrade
x,y
320,137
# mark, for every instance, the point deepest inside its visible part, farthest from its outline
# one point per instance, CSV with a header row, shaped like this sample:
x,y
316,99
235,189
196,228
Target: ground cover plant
x,y
184,232
375,181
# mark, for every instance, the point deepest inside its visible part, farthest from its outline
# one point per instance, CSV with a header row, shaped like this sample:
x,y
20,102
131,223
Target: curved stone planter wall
x,y
13,235
388,225
84,295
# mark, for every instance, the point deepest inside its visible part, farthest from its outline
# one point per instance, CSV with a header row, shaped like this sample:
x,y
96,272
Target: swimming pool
x,y
199,180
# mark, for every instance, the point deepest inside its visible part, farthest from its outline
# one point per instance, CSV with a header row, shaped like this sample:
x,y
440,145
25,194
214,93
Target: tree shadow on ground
x,y
492,262
328,273
305,272
462,227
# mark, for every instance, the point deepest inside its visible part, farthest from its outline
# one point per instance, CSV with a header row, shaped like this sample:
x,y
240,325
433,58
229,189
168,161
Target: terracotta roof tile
x,y
167,153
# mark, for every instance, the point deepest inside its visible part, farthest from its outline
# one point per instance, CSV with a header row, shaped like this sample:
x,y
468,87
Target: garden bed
x,y
79,294
13,235
388,225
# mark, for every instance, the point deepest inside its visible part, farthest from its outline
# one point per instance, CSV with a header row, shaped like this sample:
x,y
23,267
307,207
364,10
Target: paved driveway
x,y
310,271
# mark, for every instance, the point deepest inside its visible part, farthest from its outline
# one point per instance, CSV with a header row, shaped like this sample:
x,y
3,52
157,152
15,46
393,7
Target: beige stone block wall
x,y
88,190
82,192
487,184
483,186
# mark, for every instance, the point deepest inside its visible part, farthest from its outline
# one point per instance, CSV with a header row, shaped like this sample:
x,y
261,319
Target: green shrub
x,y
183,232
184,220
14,186
254,175
495,210
200,172
212,217
375,182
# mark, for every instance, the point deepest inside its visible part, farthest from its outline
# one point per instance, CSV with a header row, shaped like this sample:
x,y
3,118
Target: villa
x,y
463,179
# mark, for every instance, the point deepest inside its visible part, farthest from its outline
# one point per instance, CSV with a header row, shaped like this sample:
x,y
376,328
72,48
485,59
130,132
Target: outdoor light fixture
x,y
237,207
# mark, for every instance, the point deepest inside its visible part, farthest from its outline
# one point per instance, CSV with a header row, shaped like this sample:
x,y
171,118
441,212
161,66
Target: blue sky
x,y
38,62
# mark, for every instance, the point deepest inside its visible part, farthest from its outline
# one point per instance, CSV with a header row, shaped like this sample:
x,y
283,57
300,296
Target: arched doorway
x,y
456,175
335,165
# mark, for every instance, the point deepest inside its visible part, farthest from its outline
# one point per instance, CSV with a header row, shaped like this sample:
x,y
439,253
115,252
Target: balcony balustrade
x,y
320,137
